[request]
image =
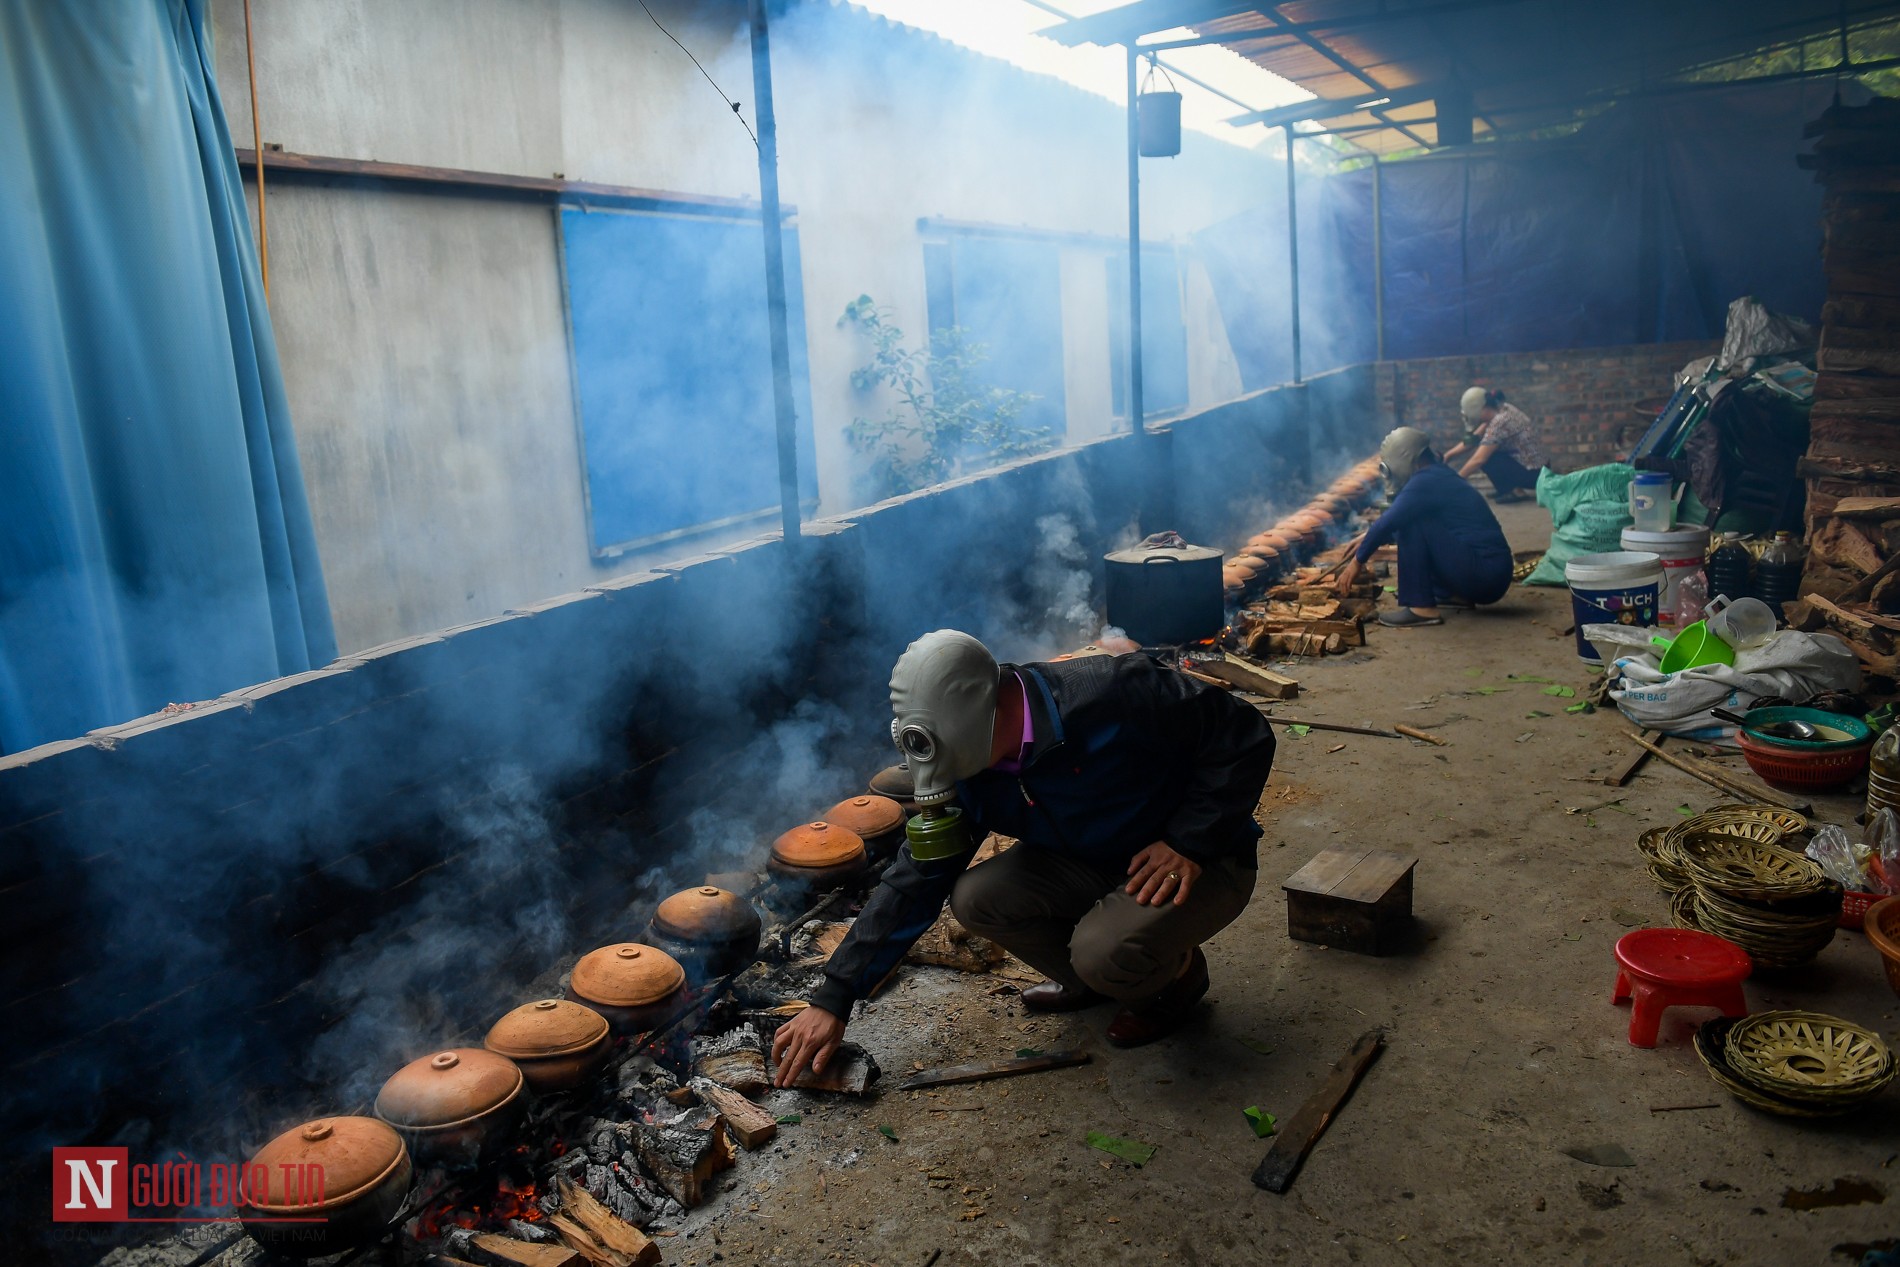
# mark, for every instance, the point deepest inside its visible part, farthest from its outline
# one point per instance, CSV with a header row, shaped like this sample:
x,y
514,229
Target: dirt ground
x,y
1504,1049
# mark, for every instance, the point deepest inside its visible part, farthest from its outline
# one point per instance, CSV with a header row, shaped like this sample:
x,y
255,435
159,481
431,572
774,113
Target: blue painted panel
x,y
1164,377
673,370
1009,299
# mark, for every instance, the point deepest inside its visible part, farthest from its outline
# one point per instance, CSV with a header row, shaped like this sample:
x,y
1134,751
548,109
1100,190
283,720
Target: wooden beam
x,y
534,188
1297,1137
983,1070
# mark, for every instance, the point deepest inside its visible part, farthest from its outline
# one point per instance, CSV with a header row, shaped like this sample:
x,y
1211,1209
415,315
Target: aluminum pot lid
x,y
356,1153
447,1087
549,1027
868,816
820,844
707,914
1179,554
626,974
894,781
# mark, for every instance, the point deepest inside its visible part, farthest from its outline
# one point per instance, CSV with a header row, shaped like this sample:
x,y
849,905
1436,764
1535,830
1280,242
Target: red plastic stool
x,y
1677,967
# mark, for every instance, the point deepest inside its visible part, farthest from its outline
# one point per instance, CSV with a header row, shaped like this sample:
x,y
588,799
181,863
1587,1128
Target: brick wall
x,y
1582,401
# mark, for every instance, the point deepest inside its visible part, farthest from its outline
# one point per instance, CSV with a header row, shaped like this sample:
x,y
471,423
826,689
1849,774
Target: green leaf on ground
x,y
1561,692
1028,1053
1391,589
1536,712
1299,731
1628,919
1685,811
1255,1045
1581,706
1263,1122
790,1119
887,1132
1487,690
1132,1151
1573,936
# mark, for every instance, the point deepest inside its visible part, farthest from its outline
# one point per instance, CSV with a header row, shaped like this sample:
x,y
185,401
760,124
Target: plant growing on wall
x,y
945,421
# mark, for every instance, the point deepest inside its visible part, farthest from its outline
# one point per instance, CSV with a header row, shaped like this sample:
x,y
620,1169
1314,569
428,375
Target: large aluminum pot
x,y
1166,596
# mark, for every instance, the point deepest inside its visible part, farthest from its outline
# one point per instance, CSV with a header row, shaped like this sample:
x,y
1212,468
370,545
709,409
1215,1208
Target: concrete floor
x,y
1504,1049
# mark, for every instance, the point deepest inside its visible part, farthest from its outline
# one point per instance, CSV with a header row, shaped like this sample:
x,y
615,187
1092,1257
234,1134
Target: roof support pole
x,y
1134,249
1293,249
1378,256
785,410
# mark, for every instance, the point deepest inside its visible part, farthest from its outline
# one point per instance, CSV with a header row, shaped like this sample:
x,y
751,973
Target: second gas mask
x,y
943,700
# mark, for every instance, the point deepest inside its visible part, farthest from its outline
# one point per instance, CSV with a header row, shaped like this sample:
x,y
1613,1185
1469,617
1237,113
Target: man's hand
x,y
1160,874
1347,575
809,1038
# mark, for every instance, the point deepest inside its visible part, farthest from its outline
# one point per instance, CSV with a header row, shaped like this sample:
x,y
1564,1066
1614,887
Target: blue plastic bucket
x,y
1623,587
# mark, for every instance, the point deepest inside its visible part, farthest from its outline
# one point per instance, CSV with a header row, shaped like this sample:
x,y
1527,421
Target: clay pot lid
x,y
626,974
449,1087
550,1027
868,816
356,1153
1278,539
894,781
820,844
707,913
1245,565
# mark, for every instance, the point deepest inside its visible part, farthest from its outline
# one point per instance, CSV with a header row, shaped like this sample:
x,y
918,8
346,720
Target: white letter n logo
x,y
87,1187
99,1188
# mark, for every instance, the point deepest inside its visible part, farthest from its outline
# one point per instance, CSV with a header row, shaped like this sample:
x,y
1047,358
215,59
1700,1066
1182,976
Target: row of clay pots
x,y
1269,555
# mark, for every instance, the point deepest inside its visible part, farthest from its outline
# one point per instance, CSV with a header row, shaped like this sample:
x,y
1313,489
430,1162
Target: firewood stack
x,y
1852,467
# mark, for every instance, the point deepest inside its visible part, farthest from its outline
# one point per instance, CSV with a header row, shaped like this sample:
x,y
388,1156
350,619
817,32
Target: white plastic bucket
x,y
1622,587
1682,550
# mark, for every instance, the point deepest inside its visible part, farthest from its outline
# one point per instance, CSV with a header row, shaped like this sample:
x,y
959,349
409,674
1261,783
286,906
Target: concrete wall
x,y
305,882
423,334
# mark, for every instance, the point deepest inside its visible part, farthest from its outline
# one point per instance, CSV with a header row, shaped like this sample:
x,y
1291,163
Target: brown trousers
x,y
1074,923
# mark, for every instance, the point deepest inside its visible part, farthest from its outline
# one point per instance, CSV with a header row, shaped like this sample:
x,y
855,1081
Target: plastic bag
x,y
1792,665
1588,511
1835,856
1883,842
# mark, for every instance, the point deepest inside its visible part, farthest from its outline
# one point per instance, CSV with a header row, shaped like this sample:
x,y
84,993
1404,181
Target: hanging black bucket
x,y
1159,117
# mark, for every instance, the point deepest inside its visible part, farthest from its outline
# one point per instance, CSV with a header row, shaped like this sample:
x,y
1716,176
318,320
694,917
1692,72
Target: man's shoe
x,y
1406,618
1156,1018
1053,996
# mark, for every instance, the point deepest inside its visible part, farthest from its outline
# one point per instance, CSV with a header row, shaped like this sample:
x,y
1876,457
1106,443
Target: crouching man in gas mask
x,y
1131,790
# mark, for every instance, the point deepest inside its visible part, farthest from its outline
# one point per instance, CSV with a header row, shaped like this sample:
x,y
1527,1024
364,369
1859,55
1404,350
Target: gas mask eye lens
x,y
917,743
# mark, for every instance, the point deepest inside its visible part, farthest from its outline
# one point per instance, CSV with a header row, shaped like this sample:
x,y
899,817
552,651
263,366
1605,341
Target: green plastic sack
x,y
1588,511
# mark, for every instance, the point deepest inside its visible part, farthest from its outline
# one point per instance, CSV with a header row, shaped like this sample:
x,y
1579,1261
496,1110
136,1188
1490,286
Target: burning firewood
x,y
685,1155
487,1249
753,1125
594,1232
735,1059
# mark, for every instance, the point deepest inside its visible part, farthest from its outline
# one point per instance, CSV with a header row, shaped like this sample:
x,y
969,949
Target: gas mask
x,y
943,697
1399,456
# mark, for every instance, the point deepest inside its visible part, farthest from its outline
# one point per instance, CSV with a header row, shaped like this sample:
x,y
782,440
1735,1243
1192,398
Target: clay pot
x,y
558,1045
455,1108
895,782
634,987
820,855
878,821
711,932
366,1173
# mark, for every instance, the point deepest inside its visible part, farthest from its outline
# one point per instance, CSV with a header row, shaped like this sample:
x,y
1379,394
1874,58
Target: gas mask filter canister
x,y
943,701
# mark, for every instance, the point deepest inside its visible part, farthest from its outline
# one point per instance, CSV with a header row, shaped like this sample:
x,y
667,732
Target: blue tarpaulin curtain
x,y
155,541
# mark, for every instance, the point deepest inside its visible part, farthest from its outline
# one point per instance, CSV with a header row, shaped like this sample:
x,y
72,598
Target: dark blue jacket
x,y
1436,492
1126,753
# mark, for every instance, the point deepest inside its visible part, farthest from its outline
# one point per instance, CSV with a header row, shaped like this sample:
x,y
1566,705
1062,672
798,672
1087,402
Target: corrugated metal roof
x,y
1524,63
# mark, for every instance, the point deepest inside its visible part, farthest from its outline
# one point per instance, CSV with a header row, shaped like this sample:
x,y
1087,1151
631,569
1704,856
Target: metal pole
x,y
783,406
1293,249
1378,255
1134,250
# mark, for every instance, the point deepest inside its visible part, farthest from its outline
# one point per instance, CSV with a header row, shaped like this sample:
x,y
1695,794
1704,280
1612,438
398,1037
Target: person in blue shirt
x,y
1451,549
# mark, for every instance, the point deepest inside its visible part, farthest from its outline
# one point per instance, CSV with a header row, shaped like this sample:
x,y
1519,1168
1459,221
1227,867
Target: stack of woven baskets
x,y
1738,871
1799,1064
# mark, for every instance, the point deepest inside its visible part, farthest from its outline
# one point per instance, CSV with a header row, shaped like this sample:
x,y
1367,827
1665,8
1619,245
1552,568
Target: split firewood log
x,y
734,1059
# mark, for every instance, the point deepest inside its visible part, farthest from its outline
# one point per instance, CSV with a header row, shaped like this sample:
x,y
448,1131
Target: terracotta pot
x,y
878,821
711,932
557,1044
455,1108
633,986
895,782
366,1173
818,855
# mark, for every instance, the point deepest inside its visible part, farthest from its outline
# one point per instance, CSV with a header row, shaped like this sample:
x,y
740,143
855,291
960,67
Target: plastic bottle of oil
x,y
1728,568
1778,572
1883,774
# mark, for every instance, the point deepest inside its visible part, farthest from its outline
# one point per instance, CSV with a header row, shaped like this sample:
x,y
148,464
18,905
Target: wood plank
x,y
1374,876
1721,780
1411,732
1251,678
1872,507
1298,1135
495,1250
850,1071
752,1125
984,1070
1635,763
1325,869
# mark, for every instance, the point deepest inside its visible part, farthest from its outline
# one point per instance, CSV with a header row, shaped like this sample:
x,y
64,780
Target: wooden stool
x,y
1351,899
1658,968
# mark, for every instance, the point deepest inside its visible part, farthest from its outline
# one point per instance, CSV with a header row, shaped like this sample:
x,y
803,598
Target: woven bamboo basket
x,y
1747,868
1711,1047
1809,1058
1775,935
